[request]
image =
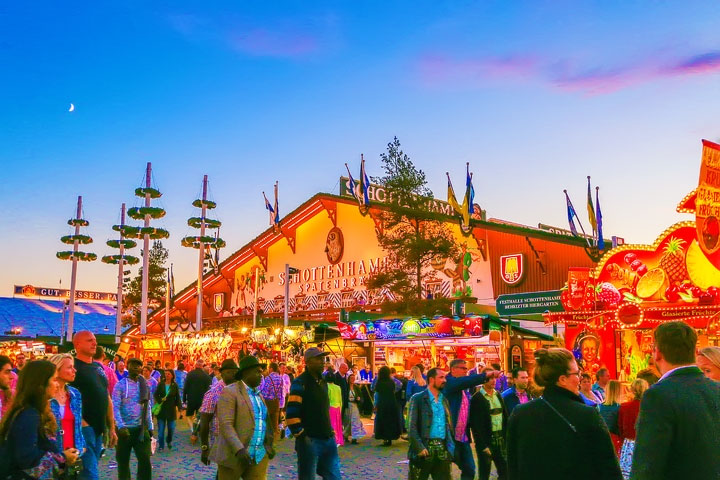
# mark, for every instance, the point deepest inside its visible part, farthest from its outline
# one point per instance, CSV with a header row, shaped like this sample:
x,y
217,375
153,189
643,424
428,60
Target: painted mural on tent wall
x,y
333,265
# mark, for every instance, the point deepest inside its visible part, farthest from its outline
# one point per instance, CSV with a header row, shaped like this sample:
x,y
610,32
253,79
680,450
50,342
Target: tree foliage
x,y
156,283
412,234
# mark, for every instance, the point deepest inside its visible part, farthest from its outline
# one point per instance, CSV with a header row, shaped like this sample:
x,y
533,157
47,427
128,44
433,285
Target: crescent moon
x,y
72,108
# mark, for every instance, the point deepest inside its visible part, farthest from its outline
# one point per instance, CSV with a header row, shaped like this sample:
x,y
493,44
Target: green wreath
x,y
152,232
208,203
78,222
195,242
127,231
142,191
115,259
196,222
127,243
138,213
81,239
81,256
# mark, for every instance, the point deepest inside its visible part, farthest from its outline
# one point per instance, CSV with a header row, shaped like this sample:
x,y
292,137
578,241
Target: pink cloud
x,y
564,74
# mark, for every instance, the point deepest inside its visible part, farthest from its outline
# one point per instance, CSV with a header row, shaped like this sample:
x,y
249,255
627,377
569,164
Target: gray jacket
x,y
421,415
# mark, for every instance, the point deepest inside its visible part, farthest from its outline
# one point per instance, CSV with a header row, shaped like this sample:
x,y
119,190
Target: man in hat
x,y
209,424
244,444
308,417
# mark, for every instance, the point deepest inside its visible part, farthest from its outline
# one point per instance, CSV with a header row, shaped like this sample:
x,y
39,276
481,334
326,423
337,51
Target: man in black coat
x,y
488,423
558,437
678,429
197,384
518,394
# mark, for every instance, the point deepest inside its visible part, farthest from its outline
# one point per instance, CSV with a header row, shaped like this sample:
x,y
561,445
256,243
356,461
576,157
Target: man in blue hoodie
x,y
458,397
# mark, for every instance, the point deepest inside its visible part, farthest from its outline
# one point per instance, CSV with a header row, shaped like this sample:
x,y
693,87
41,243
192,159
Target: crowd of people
x,y
60,413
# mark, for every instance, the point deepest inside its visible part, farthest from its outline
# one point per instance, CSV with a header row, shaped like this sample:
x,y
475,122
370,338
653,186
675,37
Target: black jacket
x,y
196,384
678,429
569,442
169,401
480,421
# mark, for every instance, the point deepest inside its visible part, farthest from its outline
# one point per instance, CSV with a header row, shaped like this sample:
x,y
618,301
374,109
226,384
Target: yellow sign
x,y
153,344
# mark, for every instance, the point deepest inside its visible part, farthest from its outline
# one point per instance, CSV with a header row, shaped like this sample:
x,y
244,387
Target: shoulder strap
x,y
572,427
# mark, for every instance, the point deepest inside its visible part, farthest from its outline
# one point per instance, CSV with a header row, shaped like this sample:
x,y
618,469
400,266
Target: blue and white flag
x,y
270,209
364,184
353,184
571,215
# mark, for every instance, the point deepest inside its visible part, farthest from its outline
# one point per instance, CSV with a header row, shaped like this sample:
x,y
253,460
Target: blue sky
x,y
536,95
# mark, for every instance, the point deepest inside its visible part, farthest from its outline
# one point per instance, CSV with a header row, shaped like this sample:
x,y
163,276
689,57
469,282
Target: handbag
x,y
155,410
626,457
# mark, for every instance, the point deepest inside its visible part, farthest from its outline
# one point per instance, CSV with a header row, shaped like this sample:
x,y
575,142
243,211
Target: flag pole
x,y
167,301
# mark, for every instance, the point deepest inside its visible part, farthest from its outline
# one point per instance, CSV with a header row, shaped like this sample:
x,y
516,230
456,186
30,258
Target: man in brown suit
x,y
244,445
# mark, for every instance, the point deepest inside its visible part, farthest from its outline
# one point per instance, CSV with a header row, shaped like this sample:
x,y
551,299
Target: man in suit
x,y
488,423
432,443
244,445
517,394
677,430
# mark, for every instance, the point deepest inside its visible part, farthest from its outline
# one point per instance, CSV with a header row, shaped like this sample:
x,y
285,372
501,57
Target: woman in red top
x,y
66,405
627,416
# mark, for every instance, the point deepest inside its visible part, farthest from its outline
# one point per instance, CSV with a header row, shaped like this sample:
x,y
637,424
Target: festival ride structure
x,y
146,213
611,310
75,255
202,242
126,234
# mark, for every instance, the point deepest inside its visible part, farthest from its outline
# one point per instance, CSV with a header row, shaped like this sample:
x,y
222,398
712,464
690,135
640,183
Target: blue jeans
x,y
317,455
90,458
161,432
464,460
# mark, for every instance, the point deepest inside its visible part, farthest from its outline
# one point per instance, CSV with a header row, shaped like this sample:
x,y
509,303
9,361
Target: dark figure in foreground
x,y
678,430
557,436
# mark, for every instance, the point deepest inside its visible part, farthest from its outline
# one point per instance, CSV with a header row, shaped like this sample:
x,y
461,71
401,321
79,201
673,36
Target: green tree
x,y
156,283
412,234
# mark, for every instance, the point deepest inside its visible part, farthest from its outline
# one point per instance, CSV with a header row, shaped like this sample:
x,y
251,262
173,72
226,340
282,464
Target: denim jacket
x,y
76,409
420,414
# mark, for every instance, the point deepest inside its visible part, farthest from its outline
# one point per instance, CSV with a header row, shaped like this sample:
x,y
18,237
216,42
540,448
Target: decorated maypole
x,y
202,241
146,232
75,255
125,232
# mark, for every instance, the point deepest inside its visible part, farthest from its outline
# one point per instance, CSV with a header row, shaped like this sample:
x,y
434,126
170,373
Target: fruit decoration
x,y
608,295
673,260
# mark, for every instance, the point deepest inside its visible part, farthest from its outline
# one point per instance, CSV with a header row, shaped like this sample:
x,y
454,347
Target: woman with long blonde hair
x,y
66,405
708,359
417,382
609,409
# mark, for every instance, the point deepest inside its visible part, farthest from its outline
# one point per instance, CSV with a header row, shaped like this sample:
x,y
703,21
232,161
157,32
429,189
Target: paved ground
x,y
365,461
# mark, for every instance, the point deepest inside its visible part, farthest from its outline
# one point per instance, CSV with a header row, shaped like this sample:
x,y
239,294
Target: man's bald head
x,y
199,363
85,345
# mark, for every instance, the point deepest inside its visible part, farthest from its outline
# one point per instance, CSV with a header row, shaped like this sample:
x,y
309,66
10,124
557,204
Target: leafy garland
x,y
196,222
115,259
208,203
153,192
82,256
139,213
78,222
81,239
127,243
195,242
152,232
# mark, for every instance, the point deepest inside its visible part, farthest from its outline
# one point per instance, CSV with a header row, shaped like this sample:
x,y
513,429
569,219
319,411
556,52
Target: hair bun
x,y
541,355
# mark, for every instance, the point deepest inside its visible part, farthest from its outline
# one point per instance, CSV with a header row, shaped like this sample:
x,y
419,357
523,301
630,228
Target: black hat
x,y
249,362
228,364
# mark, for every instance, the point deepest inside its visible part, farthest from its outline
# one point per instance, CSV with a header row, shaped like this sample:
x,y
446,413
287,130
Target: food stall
x,y
610,312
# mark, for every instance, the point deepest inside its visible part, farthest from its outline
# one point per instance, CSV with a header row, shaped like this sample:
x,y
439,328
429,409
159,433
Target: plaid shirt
x,y
209,405
272,388
256,449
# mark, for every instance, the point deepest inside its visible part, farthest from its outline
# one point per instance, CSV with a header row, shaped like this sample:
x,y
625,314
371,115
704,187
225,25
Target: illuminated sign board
x,y
61,293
